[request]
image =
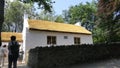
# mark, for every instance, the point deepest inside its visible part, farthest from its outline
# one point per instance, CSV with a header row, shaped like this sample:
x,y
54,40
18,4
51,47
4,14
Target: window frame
x,y
77,40
51,40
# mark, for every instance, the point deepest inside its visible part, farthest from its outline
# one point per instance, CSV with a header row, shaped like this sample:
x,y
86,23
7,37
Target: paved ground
x,y
113,63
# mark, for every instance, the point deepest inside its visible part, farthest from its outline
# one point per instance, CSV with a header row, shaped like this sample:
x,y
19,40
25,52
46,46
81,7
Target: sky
x,y
61,5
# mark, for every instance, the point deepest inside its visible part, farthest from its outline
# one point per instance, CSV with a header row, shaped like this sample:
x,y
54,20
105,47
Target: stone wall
x,y
49,57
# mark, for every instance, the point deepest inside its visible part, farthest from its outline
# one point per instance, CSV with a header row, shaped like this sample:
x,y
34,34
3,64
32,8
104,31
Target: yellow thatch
x,y
59,27
5,36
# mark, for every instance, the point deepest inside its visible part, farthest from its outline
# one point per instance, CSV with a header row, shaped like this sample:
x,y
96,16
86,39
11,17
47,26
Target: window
x,y
65,37
76,40
51,40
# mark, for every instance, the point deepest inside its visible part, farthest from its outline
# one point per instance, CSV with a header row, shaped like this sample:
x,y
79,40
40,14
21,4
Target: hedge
x,y
49,57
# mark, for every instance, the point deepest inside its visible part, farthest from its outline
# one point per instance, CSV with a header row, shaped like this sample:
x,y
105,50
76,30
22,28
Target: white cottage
x,y
46,33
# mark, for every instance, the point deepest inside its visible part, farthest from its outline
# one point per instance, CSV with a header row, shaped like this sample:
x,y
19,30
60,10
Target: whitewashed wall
x,y
39,38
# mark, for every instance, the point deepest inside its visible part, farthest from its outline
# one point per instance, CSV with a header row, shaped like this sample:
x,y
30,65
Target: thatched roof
x,y
5,36
57,27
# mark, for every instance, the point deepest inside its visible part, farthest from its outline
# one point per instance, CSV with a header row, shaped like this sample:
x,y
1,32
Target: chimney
x,y
78,24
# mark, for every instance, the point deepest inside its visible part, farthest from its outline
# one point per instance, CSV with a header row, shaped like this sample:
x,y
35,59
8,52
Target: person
x,y
1,56
21,55
13,48
5,53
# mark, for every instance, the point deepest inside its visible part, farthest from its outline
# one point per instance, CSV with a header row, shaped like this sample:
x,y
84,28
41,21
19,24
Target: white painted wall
x,y
25,27
39,38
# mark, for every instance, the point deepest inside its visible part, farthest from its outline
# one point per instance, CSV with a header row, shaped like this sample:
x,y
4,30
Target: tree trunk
x,y
1,17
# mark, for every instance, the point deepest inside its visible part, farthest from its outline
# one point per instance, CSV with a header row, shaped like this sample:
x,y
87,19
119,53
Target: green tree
x,y
49,16
99,36
85,13
109,14
43,15
14,15
66,15
43,4
59,19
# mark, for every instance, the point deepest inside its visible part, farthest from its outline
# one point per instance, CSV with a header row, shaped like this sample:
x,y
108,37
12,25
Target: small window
x,y
76,40
65,37
51,40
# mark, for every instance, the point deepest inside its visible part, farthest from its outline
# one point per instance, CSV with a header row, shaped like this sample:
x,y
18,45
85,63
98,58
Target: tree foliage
x,y
99,36
48,16
14,13
43,4
59,19
109,19
84,13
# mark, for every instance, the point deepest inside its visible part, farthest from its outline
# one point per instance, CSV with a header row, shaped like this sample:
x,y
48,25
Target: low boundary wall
x,y
49,57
